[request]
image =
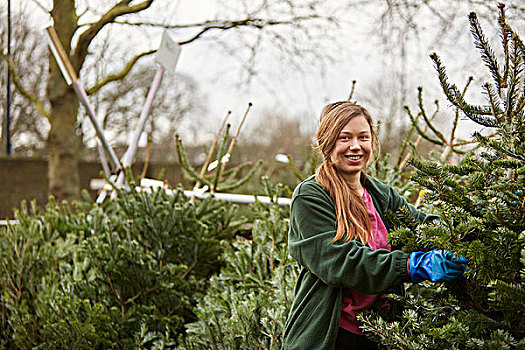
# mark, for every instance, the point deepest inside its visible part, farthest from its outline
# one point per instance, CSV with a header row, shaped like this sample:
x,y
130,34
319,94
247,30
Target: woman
x,y
338,236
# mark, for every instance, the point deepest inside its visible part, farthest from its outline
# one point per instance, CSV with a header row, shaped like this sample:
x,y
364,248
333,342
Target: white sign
x,y
168,53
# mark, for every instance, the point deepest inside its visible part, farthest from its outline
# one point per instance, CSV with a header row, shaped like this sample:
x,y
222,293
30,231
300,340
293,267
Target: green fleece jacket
x,y
328,268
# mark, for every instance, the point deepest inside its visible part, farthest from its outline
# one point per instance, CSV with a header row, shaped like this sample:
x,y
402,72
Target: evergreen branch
x,y
498,146
295,171
220,154
507,163
235,137
421,132
136,296
516,289
457,151
413,151
456,117
113,290
515,74
400,162
18,85
243,180
183,159
461,170
521,104
505,44
520,48
464,143
482,44
213,146
475,113
386,332
494,102
10,280
233,172
424,114
120,75
449,221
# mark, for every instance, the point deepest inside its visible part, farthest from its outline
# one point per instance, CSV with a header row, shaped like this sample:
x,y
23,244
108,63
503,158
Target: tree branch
x,y
120,75
42,7
254,22
205,26
120,9
427,120
16,82
421,132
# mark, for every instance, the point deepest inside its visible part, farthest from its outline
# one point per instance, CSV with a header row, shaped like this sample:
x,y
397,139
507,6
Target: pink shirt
x,y
353,301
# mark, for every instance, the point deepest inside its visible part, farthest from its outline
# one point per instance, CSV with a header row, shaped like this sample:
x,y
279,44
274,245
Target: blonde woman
x,y
339,238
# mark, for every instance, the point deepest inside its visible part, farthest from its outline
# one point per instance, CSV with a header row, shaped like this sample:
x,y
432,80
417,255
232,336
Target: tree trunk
x,y
63,142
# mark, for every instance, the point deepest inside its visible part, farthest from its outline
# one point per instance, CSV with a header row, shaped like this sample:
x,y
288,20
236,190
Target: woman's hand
x,y
436,266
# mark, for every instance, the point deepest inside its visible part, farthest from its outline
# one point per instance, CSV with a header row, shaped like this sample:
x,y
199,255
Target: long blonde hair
x,y
352,215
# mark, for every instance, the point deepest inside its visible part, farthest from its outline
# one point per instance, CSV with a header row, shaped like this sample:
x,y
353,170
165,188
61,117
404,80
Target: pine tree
x,y
248,301
123,274
481,204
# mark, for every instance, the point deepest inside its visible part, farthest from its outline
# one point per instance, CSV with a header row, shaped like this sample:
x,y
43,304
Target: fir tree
x,y
123,274
247,303
481,203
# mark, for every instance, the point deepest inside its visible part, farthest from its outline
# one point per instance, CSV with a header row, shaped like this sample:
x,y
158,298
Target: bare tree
x,y
406,26
80,24
273,132
28,128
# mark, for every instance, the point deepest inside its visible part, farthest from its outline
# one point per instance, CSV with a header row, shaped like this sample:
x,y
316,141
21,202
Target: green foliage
x,y
393,176
481,204
123,274
219,180
309,165
247,303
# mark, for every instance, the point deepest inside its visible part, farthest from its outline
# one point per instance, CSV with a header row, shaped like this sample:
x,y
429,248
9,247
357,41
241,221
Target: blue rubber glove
x,y
436,266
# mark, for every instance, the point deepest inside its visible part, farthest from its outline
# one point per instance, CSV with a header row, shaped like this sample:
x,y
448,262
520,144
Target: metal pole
x,y
69,74
79,90
132,149
8,146
130,154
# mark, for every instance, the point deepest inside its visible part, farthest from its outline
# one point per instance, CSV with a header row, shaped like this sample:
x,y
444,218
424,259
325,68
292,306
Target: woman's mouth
x,y
354,157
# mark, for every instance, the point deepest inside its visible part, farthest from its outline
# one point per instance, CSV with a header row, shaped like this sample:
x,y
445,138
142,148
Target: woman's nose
x,y
354,144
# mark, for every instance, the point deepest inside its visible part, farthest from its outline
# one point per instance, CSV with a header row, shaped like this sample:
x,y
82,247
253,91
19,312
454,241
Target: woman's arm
x,y
348,265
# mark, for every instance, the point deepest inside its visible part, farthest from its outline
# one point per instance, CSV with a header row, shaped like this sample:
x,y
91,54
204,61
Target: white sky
x,y
278,88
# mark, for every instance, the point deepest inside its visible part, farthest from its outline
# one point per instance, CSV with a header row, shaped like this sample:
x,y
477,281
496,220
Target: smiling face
x,y
353,148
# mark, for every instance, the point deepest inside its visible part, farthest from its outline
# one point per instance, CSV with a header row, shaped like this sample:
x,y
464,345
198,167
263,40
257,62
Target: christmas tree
x,y
481,204
119,275
247,303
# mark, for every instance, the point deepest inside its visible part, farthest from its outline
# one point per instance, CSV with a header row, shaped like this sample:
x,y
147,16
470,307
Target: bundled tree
x,y
247,303
125,274
482,208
